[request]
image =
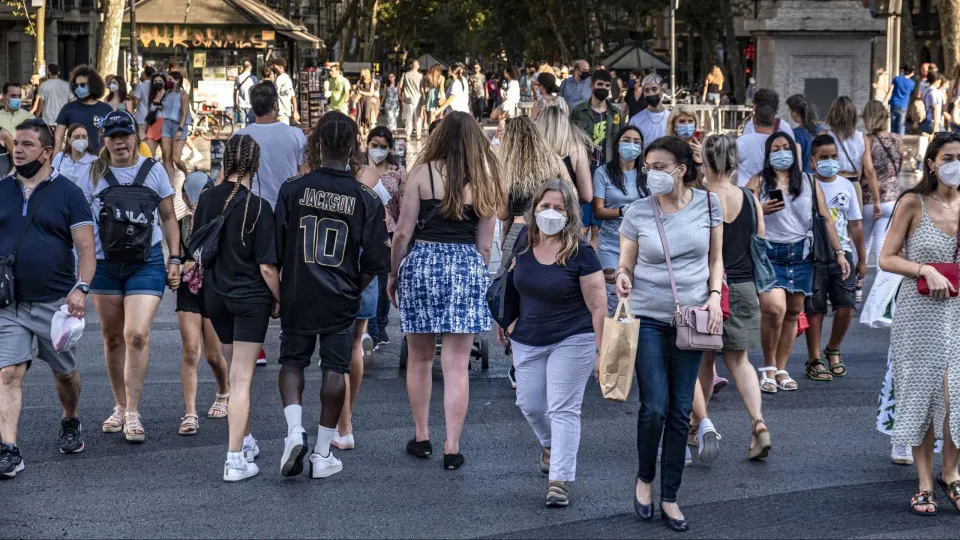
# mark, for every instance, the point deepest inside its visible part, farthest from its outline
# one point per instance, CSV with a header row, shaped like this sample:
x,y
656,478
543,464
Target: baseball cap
x,y
118,123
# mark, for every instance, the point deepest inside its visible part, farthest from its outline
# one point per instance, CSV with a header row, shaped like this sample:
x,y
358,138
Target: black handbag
x,y
7,295
503,299
821,249
205,242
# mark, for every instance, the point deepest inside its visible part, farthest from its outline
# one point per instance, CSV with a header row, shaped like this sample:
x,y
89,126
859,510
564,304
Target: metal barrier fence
x,y
729,119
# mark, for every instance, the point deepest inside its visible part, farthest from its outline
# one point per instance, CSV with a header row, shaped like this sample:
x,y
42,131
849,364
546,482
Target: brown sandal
x,y
557,494
114,424
219,409
951,490
189,424
133,429
924,498
759,442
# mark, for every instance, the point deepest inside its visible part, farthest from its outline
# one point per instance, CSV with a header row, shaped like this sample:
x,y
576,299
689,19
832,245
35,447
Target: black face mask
x,y
158,86
584,75
653,100
29,170
601,94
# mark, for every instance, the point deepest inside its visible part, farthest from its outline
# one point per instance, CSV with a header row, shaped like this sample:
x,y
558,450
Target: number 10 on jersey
x,y
324,240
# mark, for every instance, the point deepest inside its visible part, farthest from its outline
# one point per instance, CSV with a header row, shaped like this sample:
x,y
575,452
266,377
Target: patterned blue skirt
x,y
443,290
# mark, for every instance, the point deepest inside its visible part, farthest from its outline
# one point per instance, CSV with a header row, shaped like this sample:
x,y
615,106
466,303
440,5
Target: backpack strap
x,y
110,178
144,170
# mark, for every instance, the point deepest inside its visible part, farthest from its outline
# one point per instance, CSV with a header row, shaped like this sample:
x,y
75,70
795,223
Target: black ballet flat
x,y
421,449
644,511
452,462
678,525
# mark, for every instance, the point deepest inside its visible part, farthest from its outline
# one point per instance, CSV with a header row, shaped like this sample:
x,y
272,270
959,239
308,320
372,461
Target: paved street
x,y
829,474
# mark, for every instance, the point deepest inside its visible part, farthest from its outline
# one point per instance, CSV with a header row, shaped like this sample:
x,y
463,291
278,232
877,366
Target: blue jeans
x,y
898,120
666,379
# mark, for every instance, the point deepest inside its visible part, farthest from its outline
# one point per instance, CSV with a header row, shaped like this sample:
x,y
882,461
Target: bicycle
x,y
211,123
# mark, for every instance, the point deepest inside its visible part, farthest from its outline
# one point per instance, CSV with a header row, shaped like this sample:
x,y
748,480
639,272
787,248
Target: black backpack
x,y
205,241
127,217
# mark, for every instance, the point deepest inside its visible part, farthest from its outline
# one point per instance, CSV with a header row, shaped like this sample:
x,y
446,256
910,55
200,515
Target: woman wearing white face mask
x,y
74,160
557,336
117,96
667,375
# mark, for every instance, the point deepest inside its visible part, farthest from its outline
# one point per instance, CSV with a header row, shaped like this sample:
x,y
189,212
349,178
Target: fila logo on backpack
x,y
127,217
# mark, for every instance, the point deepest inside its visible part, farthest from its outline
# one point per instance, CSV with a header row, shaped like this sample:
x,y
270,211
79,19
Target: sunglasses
x,y
118,121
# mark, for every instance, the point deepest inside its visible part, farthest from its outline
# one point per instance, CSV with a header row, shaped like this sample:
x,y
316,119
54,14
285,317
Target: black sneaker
x,y
383,338
71,438
10,460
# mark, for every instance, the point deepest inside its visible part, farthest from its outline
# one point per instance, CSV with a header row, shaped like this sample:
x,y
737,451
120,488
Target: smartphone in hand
x,y
776,195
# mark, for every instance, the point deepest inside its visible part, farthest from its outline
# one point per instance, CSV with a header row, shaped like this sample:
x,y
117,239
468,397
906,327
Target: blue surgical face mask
x,y
781,160
828,168
685,131
15,103
629,151
82,91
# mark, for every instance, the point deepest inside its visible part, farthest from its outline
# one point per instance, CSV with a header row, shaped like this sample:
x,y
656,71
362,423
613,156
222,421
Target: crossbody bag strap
x,y
897,164
666,253
235,202
12,257
847,154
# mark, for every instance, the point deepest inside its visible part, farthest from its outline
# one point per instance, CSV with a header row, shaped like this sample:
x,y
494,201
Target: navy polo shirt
x,y
44,270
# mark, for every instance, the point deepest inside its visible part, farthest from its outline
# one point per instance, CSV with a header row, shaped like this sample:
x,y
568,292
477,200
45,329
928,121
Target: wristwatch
x,y
839,253
82,287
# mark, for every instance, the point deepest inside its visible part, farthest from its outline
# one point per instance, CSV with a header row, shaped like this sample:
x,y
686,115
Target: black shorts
x,y
237,320
336,349
189,302
828,282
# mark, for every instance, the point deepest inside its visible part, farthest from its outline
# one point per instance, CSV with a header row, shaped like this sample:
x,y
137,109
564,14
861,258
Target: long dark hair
x,y
384,133
929,183
768,175
806,111
615,171
121,91
242,157
163,80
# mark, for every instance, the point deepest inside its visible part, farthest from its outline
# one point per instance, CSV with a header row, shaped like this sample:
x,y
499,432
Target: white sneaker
x,y
323,467
238,469
197,157
294,450
709,440
367,344
901,455
343,442
251,450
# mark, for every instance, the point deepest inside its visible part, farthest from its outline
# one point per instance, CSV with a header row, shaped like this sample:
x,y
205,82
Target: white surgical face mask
x,y
660,182
949,173
378,154
80,145
113,87
550,221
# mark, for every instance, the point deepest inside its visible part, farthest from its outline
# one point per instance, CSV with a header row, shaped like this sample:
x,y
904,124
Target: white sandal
x,y
767,380
789,379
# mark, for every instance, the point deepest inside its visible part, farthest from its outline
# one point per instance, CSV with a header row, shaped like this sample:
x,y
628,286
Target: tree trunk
x,y
372,32
348,14
908,40
688,61
110,42
949,12
733,54
564,50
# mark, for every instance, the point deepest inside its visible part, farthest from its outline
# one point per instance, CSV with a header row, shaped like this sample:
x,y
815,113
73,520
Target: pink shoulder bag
x,y
691,322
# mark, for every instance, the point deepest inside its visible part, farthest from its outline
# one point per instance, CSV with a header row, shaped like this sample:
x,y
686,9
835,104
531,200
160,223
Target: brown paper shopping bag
x,y
618,353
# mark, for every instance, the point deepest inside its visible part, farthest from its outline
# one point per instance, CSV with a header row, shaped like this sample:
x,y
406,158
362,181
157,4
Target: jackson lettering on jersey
x,y
331,202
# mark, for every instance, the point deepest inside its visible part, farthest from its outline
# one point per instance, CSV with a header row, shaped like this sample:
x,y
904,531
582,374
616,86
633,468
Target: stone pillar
x,y
819,48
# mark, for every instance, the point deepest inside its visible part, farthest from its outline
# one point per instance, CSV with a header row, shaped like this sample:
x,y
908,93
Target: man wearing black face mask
x,y
601,119
652,121
58,218
576,89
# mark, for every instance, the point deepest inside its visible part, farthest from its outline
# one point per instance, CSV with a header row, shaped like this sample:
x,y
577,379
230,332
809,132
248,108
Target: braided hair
x,y
241,158
336,135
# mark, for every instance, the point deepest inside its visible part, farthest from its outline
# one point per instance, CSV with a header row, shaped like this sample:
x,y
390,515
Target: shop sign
x,y
171,36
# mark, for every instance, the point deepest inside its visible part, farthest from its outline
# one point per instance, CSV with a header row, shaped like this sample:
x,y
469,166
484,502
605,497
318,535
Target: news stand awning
x,y
427,61
634,57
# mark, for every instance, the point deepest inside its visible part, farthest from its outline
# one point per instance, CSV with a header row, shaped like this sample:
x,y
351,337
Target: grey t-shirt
x,y
55,93
410,83
688,235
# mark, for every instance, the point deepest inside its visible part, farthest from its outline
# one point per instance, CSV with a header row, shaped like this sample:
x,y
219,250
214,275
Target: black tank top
x,y
434,227
713,88
736,246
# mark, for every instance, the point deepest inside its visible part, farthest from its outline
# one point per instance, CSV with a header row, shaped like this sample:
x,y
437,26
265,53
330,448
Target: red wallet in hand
x,y
951,271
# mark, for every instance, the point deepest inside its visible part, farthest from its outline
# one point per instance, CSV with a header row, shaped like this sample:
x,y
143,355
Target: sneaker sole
x,y
108,429
902,461
77,451
557,503
710,449
326,473
367,344
293,466
13,473
240,477
343,446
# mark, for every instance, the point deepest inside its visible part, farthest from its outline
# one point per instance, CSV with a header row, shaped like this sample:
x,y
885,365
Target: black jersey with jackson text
x,y
330,231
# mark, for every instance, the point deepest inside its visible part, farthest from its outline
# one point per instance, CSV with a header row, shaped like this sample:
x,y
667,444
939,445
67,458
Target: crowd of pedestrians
x,y
605,206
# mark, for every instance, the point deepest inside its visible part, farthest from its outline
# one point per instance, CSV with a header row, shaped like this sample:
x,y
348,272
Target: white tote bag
x,y
877,310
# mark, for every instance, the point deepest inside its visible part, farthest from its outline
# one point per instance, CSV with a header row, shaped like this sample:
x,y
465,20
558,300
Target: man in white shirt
x,y
752,147
287,93
652,121
53,93
241,92
141,98
281,146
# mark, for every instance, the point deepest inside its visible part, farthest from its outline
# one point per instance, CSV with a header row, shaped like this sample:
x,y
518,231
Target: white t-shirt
x,y
243,85
651,125
843,206
143,101
77,171
458,95
157,180
751,147
281,153
854,147
933,98
55,94
286,92
784,127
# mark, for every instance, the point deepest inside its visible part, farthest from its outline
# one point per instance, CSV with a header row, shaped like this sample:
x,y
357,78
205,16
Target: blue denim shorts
x,y
124,279
794,272
369,300
170,130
